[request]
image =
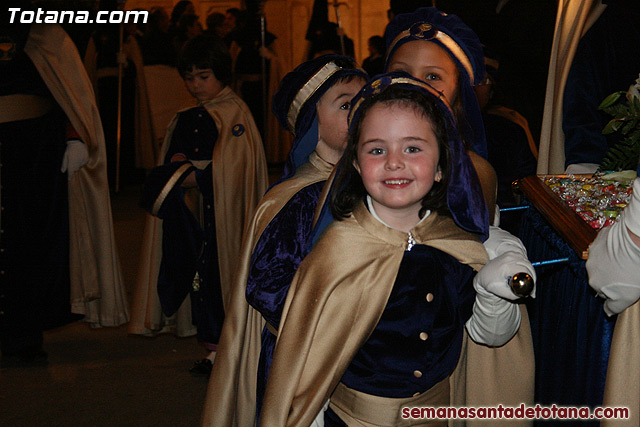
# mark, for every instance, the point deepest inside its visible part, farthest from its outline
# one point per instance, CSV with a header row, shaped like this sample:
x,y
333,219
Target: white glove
x,y
579,168
75,156
494,320
507,257
614,259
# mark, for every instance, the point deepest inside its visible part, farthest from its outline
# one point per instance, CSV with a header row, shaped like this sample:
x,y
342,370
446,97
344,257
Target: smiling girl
x,y
375,317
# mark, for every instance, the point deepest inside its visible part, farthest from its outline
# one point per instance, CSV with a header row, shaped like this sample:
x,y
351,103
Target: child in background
x,y
444,52
212,176
374,63
375,315
313,103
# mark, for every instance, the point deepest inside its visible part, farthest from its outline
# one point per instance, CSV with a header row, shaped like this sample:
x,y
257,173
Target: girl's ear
x,y
356,166
438,176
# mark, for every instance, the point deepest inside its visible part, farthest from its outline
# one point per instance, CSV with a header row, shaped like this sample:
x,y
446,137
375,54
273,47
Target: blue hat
x,y
462,45
294,104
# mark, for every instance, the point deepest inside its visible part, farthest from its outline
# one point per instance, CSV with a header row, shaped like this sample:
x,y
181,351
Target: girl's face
x,y
397,158
333,111
429,62
202,84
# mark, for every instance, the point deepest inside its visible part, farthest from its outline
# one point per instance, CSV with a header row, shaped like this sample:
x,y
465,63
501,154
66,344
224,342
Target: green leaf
x,y
610,100
628,126
619,110
617,124
623,155
609,127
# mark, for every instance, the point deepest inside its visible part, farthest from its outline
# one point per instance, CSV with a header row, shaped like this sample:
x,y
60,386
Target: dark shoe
x,y
24,359
202,368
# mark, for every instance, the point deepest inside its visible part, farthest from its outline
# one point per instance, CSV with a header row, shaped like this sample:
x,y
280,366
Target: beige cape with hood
x,y
239,181
314,348
97,291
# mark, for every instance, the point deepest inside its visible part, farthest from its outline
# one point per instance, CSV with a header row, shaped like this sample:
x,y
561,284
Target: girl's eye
x,y
432,76
345,106
413,150
376,151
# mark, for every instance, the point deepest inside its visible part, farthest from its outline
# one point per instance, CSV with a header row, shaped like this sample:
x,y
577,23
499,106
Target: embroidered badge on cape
x,y
237,130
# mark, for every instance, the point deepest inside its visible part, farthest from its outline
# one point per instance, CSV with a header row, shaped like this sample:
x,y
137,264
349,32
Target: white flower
x,y
634,90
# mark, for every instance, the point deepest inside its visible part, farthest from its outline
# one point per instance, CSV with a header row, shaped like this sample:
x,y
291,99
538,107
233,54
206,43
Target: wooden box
x,y
568,224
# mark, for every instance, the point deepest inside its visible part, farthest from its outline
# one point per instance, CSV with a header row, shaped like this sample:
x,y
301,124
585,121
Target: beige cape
x,y
231,396
239,181
97,291
314,349
622,386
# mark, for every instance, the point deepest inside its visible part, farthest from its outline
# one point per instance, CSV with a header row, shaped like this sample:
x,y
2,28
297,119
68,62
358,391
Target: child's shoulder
x,y
345,232
227,102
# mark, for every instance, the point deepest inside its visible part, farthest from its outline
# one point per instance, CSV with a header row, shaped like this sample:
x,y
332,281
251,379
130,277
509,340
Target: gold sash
x,y
362,409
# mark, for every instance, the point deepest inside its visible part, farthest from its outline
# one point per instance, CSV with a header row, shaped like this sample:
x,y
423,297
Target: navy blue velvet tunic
x,y
275,259
417,341
189,247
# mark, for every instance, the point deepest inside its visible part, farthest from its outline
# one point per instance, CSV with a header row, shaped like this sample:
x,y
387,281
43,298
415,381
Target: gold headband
x,y
307,91
380,84
444,38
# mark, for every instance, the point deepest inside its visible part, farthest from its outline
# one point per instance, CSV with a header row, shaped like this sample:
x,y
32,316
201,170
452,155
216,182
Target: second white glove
x,y
75,156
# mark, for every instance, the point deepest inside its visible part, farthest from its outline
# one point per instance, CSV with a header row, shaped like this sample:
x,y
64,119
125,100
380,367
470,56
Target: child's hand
x,y
494,276
178,157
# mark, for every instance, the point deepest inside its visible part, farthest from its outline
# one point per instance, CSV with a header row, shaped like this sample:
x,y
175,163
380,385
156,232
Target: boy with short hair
x,y
212,175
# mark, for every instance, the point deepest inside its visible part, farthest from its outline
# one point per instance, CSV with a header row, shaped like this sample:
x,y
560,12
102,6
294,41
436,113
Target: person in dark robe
x,y
58,261
156,44
374,63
